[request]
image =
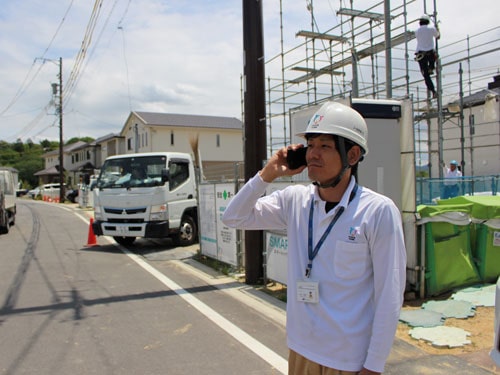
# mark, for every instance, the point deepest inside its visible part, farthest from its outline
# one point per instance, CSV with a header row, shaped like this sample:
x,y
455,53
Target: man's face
x,y
453,167
323,159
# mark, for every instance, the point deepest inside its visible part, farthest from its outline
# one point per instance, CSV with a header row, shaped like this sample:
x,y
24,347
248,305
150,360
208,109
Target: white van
x,y
8,188
50,192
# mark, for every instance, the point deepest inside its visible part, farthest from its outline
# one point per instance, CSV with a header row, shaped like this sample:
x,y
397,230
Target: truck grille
x,y
124,221
121,211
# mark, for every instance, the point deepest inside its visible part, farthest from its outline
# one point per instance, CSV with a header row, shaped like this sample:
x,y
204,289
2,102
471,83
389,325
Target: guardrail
x,y
428,190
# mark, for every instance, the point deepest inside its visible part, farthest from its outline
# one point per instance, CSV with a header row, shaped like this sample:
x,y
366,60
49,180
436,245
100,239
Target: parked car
x,y
51,190
72,195
35,193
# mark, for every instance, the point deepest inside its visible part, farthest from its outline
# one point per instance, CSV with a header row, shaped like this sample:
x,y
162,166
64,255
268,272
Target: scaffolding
x,y
378,43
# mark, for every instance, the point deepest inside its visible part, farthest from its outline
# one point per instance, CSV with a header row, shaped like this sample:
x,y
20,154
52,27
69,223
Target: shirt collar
x,y
344,201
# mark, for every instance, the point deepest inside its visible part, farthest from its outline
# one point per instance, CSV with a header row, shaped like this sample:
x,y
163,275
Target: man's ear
x,y
354,155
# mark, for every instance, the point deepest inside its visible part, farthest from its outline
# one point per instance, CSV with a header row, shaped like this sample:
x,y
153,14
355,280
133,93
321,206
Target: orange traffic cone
x,y
92,240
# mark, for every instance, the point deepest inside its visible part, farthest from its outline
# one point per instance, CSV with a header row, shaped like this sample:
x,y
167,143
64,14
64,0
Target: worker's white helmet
x,y
338,119
425,17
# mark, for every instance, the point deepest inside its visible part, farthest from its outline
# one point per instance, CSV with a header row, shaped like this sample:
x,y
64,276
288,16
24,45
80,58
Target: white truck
x,y
8,189
148,195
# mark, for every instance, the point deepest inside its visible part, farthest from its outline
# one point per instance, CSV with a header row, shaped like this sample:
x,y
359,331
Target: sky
x,y
174,56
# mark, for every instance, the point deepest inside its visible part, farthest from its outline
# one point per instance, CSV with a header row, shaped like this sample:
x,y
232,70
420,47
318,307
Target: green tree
x,y
7,155
18,147
27,168
49,145
76,139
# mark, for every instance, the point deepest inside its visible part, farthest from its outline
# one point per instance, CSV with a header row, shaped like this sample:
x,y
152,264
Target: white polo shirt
x,y
360,269
425,35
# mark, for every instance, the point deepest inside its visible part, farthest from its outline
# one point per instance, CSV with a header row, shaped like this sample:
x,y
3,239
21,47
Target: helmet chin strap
x,y
345,167
335,181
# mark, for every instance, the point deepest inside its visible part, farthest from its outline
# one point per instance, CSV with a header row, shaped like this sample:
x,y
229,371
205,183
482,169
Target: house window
x,y
73,159
472,122
217,140
129,144
76,158
172,138
88,154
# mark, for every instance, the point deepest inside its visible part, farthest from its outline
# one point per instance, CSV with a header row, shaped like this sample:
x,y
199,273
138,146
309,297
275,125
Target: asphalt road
x,y
67,308
71,309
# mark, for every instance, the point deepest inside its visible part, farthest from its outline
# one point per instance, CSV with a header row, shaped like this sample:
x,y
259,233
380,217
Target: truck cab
x,y
148,195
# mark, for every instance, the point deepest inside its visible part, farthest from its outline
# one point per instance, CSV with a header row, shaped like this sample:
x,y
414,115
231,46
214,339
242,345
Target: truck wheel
x,y
5,229
187,232
125,241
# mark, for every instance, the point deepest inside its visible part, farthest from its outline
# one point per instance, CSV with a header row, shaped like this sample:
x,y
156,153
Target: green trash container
x,y
487,250
448,258
485,216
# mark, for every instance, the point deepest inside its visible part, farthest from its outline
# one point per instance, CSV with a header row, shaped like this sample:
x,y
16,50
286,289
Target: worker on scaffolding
x,y
425,53
452,176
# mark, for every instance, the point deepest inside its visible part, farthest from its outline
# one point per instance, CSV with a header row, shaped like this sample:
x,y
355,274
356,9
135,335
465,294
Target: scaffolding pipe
x,y
388,54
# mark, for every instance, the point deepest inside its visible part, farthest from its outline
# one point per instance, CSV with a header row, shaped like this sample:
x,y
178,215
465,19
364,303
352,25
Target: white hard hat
x,y
425,17
338,119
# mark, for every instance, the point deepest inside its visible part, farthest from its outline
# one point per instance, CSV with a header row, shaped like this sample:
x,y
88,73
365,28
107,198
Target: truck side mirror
x,y
165,175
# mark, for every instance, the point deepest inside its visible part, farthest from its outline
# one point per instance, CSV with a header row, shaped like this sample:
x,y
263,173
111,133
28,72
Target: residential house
x,y
108,145
216,141
82,161
51,172
470,131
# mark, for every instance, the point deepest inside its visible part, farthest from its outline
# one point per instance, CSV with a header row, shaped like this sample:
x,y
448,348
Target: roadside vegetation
x,y
27,158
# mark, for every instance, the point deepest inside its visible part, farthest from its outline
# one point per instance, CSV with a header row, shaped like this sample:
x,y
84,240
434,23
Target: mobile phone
x,y
296,158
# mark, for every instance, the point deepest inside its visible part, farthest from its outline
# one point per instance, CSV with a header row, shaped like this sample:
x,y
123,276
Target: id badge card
x,y
308,291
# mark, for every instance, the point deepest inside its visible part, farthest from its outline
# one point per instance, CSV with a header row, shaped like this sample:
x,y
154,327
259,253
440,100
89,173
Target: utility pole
x,y
61,145
59,110
255,122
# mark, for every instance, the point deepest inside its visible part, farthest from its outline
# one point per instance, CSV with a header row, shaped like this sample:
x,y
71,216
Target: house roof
x,y
194,121
478,98
48,171
107,137
67,148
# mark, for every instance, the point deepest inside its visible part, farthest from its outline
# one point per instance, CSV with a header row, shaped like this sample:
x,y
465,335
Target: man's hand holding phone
x,y
287,161
296,158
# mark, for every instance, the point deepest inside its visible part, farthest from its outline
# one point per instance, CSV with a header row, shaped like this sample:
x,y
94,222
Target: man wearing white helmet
x,y
452,176
425,52
346,252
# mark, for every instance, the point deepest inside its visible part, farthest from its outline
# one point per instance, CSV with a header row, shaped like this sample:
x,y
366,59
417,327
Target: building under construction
x,y
369,53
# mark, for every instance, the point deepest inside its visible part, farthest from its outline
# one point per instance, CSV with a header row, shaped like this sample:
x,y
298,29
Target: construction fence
x,y
430,190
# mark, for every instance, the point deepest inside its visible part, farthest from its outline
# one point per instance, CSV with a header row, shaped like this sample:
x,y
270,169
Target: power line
x,y
25,84
79,76
87,39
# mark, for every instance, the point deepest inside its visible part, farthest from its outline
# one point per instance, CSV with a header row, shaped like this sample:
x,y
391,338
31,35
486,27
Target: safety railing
x,y
428,190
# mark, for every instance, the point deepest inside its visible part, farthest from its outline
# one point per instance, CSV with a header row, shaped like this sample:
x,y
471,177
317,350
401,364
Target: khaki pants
x,y
299,365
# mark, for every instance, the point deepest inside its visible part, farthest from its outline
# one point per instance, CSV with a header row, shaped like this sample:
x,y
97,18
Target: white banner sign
x,y
226,237
277,254
208,221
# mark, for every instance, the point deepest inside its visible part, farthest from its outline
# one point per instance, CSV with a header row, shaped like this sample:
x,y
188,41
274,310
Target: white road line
x,y
275,360
255,346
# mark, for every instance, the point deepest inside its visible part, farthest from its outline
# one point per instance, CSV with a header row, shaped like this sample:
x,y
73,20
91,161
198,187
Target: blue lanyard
x,y
313,252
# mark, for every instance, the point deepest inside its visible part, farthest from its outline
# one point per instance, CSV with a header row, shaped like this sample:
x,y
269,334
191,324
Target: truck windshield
x,y
143,171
